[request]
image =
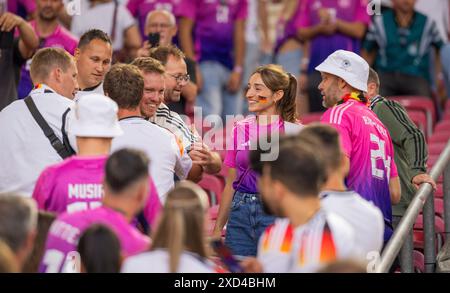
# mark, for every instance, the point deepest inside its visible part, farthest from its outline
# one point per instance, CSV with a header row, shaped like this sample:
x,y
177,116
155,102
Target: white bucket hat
x,y
95,116
349,66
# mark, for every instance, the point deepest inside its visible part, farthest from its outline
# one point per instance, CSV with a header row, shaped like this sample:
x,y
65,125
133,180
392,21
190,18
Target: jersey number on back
x,y
379,154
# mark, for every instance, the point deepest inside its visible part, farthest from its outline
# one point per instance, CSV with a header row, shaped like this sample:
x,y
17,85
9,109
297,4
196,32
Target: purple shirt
x,y
290,28
214,27
29,5
76,185
368,145
66,230
322,46
61,38
140,9
244,136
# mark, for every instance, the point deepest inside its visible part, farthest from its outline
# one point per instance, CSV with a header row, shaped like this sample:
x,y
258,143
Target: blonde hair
x,y
47,59
182,223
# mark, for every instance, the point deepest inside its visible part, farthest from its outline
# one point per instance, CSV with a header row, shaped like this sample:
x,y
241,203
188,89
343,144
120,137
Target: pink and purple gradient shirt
x,y
245,134
66,230
214,27
76,184
321,45
141,8
368,145
61,38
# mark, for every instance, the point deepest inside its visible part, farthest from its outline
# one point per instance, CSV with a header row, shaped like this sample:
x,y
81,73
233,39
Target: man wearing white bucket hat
x,y
77,183
365,140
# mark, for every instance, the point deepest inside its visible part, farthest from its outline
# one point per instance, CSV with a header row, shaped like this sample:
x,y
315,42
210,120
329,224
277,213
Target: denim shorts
x,y
246,223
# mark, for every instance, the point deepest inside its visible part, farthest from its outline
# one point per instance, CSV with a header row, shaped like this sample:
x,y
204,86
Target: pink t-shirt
x,y
66,230
243,139
368,145
60,38
29,5
76,184
321,46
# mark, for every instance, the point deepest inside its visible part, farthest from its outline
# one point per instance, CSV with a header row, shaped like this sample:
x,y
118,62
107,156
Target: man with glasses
x,y
154,107
163,22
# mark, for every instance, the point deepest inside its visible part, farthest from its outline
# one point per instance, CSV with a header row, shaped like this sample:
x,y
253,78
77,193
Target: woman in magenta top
x,y
271,97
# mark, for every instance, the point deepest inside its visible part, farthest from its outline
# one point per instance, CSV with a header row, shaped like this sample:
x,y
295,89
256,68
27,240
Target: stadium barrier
x,y
402,239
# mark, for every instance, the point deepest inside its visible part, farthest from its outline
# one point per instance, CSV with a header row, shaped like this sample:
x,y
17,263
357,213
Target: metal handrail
x,y
406,224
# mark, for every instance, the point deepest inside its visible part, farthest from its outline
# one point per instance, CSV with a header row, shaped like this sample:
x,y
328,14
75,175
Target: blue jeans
x,y
246,223
214,97
290,61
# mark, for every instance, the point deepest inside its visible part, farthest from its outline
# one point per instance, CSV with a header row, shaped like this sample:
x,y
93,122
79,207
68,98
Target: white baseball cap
x,y
95,115
349,66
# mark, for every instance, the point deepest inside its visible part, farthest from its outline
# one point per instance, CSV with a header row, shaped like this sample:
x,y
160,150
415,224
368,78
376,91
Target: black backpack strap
x,y
49,133
66,142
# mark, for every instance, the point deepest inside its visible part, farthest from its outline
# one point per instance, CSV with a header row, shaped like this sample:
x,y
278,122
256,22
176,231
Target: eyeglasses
x,y
160,25
181,78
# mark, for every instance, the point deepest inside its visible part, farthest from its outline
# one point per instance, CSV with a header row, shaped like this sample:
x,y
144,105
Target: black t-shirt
x,y
180,107
10,63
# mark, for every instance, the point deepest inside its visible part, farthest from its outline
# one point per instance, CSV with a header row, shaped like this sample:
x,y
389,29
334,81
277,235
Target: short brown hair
x,y
45,60
149,65
373,77
298,167
125,85
327,142
162,53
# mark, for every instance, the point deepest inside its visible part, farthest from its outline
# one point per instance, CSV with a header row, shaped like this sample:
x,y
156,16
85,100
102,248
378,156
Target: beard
x,y
49,17
172,96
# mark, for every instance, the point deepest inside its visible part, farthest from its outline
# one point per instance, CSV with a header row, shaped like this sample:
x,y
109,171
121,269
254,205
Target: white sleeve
x,y
344,237
125,18
183,162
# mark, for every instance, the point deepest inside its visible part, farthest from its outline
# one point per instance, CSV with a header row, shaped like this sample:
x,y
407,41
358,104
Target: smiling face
x,y
260,98
93,62
153,93
329,89
175,69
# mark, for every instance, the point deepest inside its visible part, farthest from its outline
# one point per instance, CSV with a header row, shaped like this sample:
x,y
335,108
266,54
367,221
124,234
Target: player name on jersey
x,y
85,191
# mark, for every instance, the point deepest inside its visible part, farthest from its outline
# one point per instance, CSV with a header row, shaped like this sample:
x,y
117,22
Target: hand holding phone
x,y
153,39
226,256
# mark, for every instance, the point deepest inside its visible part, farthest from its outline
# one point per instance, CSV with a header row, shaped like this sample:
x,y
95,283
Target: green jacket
x,y
410,149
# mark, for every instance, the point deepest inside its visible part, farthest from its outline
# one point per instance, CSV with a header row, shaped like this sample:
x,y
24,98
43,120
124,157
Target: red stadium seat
x,y
436,148
443,126
439,191
420,120
442,137
418,234
213,186
311,117
446,115
419,103
419,261
439,207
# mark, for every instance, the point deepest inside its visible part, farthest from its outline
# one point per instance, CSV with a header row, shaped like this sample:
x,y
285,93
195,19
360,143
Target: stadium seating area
x,y
422,112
